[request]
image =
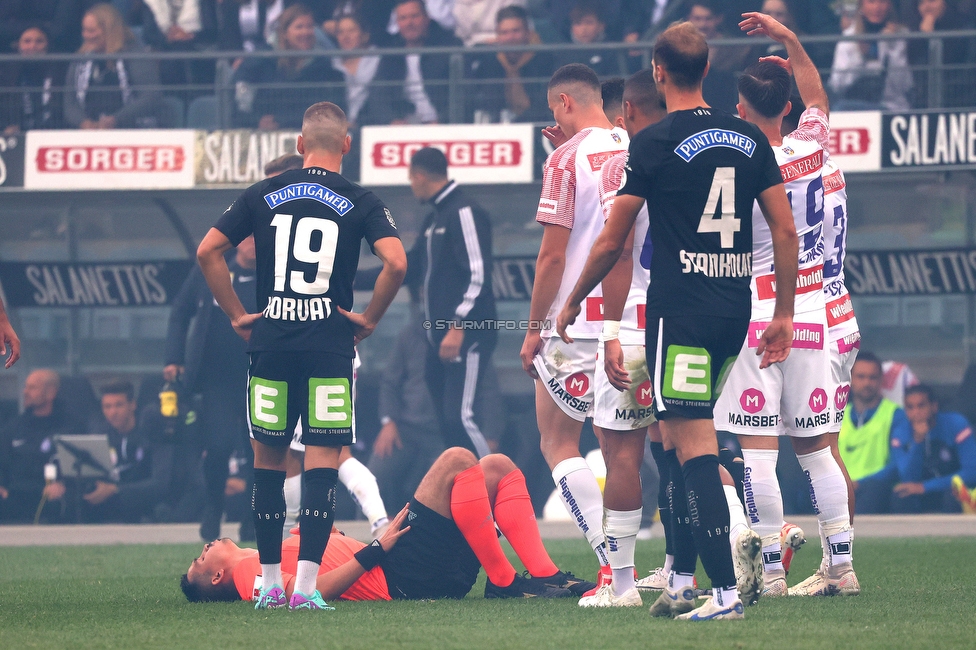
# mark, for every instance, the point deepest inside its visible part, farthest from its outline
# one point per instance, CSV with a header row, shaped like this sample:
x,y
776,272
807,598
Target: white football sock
x,y
677,581
668,563
308,572
839,546
725,596
362,486
828,491
764,501
271,576
293,502
737,515
620,528
581,495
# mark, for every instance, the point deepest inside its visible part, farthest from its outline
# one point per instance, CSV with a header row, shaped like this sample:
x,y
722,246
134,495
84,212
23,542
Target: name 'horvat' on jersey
x,y
298,309
717,265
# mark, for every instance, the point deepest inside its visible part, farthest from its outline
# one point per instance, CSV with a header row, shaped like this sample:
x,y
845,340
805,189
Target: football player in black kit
x,y
699,170
308,225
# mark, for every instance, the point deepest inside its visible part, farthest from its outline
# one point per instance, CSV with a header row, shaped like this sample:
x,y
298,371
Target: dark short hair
x,y
431,161
220,593
869,357
583,8
766,88
423,5
921,389
792,119
612,91
120,387
512,11
575,73
682,51
641,91
284,163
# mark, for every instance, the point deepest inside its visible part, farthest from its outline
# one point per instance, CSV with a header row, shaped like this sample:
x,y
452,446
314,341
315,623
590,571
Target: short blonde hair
x,y
117,33
324,127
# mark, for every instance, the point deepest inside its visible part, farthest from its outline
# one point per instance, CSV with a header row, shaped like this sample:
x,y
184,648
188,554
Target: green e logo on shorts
x,y
269,404
329,403
688,374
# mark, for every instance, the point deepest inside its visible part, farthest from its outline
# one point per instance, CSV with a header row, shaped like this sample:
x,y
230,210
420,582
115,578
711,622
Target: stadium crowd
x,y
383,88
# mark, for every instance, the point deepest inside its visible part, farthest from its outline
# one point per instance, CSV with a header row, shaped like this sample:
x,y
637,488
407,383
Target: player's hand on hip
x,y
244,323
392,534
362,328
754,23
567,316
776,341
613,364
450,350
530,348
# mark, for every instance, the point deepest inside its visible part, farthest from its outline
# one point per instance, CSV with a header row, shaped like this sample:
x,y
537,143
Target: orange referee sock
x,y
472,515
516,519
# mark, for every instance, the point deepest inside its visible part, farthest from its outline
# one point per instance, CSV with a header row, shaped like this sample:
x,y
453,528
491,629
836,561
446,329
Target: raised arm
x,y
808,80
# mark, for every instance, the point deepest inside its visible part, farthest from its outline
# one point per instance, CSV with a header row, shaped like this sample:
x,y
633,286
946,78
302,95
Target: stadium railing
x,y
937,83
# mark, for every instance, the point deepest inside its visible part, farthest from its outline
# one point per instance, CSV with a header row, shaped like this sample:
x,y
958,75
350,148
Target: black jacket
x,y
489,94
390,103
36,102
26,445
211,349
458,263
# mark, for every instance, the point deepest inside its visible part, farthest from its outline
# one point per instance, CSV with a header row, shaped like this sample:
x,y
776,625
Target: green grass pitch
x,y
916,593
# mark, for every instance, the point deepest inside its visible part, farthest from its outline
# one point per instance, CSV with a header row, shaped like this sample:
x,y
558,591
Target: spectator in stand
x,y
143,462
359,72
872,74
525,75
931,17
414,88
246,24
282,105
477,20
58,18
27,445
114,93
724,61
780,10
870,424
374,14
586,28
940,445
181,26
33,101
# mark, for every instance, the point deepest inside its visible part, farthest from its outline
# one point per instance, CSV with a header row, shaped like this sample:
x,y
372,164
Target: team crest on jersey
x,y
389,217
788,151
616,138
710,138
313,191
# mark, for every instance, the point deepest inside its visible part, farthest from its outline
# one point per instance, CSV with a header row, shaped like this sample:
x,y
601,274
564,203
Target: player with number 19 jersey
x,y
700,171
308,225
793,395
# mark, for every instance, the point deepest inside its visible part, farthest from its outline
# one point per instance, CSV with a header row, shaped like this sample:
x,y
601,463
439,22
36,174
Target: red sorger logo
x,y
846,142
459,153
577,384
110,158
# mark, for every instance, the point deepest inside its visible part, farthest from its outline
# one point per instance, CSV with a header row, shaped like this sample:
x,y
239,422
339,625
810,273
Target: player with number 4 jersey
x,y
308,225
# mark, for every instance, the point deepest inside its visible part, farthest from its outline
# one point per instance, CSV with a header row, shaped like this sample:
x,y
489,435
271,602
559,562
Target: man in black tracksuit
x,y
454,256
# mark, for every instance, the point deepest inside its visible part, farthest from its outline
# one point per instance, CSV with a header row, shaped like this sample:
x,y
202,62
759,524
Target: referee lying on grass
x,y
450,534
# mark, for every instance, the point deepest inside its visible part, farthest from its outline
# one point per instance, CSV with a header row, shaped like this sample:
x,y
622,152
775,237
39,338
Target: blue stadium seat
x,y
202,113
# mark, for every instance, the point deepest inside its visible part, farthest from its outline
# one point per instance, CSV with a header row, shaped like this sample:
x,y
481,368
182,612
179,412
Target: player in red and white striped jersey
x,y
569,210
794,397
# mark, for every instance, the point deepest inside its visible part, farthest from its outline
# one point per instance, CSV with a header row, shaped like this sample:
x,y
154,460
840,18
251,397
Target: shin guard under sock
x,y
268,510
685,551
709,515
317,514
580,493
664,481
516,519
471,511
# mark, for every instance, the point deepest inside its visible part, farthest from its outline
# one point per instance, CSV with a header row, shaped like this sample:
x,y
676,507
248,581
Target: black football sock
x,y
736,467
268,509
317,513
708,511
683,544
664,483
